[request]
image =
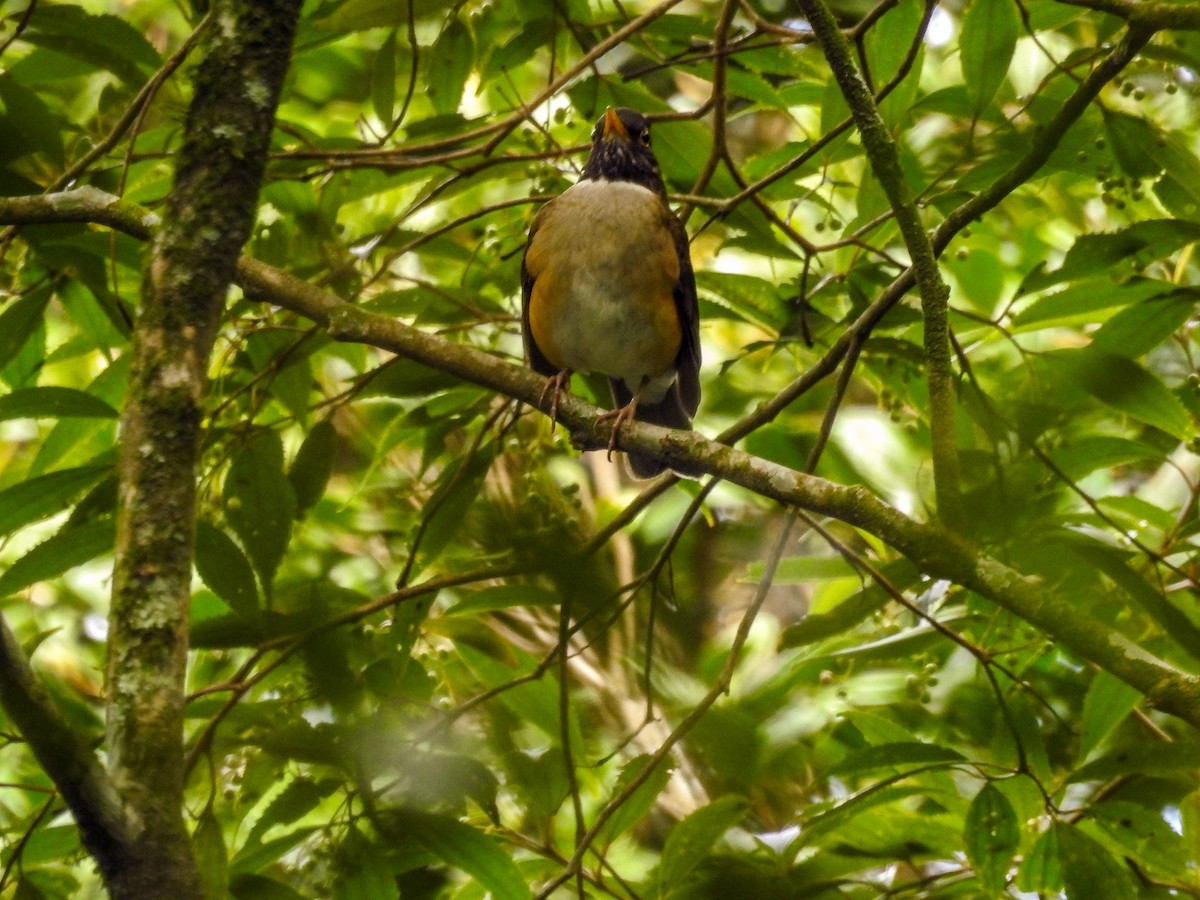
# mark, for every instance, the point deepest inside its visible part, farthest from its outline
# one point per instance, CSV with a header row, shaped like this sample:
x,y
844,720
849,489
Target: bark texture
x,y
208,217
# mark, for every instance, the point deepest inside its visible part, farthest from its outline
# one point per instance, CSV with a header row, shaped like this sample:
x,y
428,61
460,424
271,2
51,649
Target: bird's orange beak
x,y
613,126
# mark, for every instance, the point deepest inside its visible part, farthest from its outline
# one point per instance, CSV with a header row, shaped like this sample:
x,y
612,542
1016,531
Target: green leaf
x,y
1131,138
640,802
468,849
1124,385
991,837
310,470
225,569
452,57
27,124
46,495
1139,759
1079,303
362,15
1088,869
208,843
1089,453
1107,702
19,321
457,487
53,403
747,297
383,80
849,612
989,37
896,754
67,549
1041,871
1139,832
801,570
1136,331
105,41
1112,563
300,797
253,857
260,503
888,43
690,840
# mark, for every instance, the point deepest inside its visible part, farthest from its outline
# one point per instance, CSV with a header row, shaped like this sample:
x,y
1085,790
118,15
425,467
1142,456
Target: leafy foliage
x,y
379,703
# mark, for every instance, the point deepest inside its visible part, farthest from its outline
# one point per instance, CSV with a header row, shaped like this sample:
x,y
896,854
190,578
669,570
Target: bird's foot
x,y
619,416
555,386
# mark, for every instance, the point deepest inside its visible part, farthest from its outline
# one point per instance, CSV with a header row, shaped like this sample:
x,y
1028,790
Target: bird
x,y
607,287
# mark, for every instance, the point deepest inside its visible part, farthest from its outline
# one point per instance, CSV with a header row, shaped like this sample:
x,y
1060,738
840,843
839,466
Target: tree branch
x,y
70,763
208,217
935,293
1151,16
936,552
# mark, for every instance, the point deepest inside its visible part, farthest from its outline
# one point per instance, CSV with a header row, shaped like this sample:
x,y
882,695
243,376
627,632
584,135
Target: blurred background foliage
x,y
378,706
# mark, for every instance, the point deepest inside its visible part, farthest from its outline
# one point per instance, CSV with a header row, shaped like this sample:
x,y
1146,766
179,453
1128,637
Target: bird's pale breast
x,y
606,304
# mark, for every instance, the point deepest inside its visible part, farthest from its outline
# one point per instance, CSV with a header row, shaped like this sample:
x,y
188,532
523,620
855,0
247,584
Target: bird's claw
x,y
619,416
555,385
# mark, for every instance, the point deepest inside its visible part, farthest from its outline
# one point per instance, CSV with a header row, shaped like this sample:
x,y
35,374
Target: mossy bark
x,y
208,217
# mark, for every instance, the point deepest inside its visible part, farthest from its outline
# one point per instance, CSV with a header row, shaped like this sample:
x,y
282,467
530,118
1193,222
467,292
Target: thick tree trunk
x,y
207,220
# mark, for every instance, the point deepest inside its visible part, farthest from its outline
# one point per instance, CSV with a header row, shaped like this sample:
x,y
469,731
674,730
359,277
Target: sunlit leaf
x,y
989,36
641,800
53,403
67,549
34,499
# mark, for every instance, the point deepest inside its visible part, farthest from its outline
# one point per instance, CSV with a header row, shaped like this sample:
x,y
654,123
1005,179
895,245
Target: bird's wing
x,y
537,360
687,363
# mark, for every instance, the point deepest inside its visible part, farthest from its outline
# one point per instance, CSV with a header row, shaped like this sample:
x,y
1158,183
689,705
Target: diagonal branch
x,y
936,552
64,756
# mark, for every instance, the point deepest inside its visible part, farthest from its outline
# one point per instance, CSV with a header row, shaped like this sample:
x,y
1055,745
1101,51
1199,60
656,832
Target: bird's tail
x,y
668,412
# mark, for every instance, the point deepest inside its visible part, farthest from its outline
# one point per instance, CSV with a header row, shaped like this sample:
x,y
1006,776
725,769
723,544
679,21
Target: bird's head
x,y
621,150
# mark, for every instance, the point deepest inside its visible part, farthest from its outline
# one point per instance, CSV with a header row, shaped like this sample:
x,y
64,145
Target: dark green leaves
x,y
1088,869
27,124
451,62
991,836
105,41
690,840
18,322
225,569
468,849
311,468
260,503
1125,386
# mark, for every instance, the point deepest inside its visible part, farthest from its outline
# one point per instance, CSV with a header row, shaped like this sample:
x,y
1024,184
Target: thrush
x,y
607,287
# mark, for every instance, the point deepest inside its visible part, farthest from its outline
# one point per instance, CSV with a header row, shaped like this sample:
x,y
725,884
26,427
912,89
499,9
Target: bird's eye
x,y
644,137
